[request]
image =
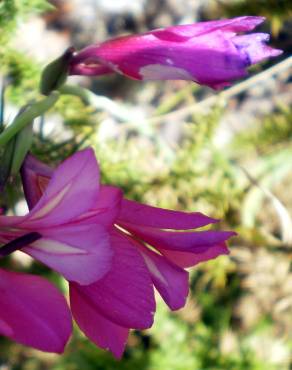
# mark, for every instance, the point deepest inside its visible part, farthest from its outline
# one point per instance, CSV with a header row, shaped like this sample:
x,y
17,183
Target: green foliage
x,y
280,8
22,76
21,72
14,11
183,183
274,131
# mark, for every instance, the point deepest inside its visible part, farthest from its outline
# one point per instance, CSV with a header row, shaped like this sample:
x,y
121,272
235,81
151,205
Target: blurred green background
x,y
180,146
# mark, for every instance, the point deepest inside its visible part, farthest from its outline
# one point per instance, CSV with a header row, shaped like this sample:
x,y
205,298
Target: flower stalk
x,y
25,118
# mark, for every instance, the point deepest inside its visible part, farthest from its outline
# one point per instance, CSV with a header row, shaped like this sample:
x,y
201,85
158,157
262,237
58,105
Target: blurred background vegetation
x,y
180,146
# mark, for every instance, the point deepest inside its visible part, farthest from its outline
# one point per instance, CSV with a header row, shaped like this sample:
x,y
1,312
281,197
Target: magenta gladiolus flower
x,y
80,251
209,53
151,248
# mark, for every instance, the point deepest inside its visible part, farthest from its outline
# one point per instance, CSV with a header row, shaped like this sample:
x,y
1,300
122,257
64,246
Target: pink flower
x,y
65,241
209,53
33,312
151,247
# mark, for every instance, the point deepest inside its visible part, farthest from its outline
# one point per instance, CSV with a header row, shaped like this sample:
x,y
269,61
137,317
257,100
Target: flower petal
x,y
73,189
106,208
188,259
254,47
10,221
141,214
186,31
81,253
171,281
35,177
125,295
195,242
103,332
33,312
90,70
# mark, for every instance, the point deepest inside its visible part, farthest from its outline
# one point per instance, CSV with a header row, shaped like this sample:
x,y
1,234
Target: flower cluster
x,y
112,251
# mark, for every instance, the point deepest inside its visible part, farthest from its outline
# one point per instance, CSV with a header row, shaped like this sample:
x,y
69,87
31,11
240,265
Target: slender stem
x,y
35,110
82,93
122,112
19,243
42,127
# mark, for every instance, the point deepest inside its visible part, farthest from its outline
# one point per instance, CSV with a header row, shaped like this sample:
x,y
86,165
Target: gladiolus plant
x,y
114,252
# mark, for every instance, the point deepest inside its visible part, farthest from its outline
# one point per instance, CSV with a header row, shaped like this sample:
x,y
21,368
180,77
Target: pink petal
x,y
33,312
103,332
188,259
141,214
10,221
81,253
125,295
196,242
171,281
106,208
89,70
72,190
254,47
35,177
183,32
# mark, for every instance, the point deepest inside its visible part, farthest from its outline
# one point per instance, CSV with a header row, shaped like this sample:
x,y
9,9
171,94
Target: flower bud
x,y
55,74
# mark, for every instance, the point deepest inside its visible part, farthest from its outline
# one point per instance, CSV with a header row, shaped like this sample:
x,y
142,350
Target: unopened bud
x,y
55,74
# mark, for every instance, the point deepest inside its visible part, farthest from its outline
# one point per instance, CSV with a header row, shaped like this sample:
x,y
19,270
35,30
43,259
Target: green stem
x,y
35,110
84,94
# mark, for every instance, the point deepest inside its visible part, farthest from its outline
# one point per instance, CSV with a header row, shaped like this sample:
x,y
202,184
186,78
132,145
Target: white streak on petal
x,y
153,269
56,247
114,67
161,72
51,204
